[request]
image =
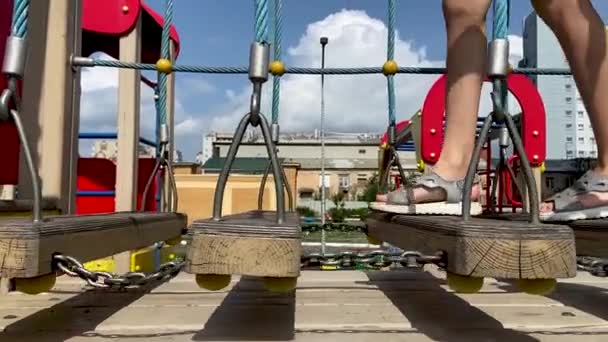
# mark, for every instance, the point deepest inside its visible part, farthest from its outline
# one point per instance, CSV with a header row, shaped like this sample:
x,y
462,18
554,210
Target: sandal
x,y
398,201
566,206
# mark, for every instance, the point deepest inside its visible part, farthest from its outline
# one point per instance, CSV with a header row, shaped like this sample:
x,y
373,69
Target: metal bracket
x,y
233,150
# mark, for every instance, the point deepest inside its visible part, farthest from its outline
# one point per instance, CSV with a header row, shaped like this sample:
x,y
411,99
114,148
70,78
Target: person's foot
x,y
423,194
584,199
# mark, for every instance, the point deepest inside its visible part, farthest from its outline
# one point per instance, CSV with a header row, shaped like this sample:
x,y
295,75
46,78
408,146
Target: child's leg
x,y
582,36
466,62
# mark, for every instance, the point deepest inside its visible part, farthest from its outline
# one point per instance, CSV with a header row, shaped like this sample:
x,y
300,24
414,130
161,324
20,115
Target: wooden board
x,y
26,249
251,244
591,236
483,247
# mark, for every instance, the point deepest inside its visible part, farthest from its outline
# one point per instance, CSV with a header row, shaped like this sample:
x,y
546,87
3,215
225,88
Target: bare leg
x,y
582,36
466,61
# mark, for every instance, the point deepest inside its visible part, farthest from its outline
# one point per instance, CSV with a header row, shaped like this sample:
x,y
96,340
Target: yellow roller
x,y
212,282
539,287
464,284
37,285
373,241
280,284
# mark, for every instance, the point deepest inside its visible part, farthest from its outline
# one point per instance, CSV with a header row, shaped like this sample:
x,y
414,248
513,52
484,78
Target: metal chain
x,y
378,259
596,266
75,268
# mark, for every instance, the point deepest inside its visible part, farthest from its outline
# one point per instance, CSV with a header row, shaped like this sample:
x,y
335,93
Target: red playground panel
x,y
97,174
533,119
9,173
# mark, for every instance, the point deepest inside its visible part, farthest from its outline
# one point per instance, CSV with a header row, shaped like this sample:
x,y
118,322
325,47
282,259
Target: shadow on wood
x,y
77,316
440,315
251,313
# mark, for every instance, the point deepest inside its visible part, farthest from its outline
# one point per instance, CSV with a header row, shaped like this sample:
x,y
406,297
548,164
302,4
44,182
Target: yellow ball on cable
x,y
164,65
420,166
277,68
389,68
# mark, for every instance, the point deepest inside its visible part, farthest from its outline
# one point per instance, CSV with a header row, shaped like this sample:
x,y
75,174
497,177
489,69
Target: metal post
x,y
323,42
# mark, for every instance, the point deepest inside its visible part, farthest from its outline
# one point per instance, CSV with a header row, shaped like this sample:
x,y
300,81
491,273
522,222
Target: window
x,y
580,113
592,139
568,139
593,153
581,140
581,153
568,126
362,151
581,127
568,86
344,181
568,99
568,113
569,153
549,183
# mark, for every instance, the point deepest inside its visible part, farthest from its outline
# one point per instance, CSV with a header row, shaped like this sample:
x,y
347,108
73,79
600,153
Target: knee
x,y
469,11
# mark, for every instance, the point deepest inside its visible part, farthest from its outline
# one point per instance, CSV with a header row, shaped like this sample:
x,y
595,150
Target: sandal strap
x,y
453,189
590,182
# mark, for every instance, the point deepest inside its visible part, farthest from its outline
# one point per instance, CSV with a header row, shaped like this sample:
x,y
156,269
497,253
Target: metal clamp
x,y
230,157
498,58
14,56
259,55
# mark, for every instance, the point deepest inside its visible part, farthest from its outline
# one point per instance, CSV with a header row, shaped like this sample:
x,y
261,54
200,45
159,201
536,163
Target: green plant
x,y
306,212
371,189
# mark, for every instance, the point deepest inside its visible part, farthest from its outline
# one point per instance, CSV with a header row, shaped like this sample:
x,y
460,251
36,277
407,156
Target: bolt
x,y
125,9
433,131
432,155
535,133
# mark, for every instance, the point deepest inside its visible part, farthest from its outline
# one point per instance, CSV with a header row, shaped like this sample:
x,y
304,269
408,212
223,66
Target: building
x,y
569,130
108,149
351,160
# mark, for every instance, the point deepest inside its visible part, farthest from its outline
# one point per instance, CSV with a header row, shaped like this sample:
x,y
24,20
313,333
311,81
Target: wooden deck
x,y
327,306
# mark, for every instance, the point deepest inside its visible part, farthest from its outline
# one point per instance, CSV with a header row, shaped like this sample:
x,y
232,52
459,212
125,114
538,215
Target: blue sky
x,y
215,32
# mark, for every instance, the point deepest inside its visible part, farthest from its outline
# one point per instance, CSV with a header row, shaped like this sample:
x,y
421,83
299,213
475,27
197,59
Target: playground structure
x,y
264,244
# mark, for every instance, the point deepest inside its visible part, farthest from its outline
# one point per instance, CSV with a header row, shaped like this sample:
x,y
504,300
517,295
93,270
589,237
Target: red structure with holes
x,y
533,119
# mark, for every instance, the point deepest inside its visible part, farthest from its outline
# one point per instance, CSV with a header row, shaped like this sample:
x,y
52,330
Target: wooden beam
x,y
249,244
483,247
27,249
51,96
129,94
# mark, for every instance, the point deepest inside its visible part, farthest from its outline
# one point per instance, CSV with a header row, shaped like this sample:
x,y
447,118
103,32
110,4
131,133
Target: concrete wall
x,y
196,193
306,151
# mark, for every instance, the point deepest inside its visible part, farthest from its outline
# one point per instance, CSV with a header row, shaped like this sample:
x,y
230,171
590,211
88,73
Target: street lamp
x,y
323,42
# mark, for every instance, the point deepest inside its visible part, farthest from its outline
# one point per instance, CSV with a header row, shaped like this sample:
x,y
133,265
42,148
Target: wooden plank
x,y
51,96
250,244
26,249
483,247
129,94
591,236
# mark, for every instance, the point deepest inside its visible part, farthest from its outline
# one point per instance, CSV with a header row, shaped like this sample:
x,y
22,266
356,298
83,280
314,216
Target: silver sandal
x,y
399,202
566,206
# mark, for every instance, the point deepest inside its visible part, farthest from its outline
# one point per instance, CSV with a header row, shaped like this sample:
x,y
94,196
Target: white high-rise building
x,y
569,133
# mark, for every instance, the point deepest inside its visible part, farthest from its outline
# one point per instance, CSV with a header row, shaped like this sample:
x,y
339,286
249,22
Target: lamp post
x,y
323,42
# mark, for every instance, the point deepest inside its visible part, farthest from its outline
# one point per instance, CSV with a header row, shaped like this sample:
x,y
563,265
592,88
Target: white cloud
x,y
353,103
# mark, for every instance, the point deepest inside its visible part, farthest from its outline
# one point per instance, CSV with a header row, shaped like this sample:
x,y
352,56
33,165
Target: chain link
x,y
75,268
379,259
595,266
